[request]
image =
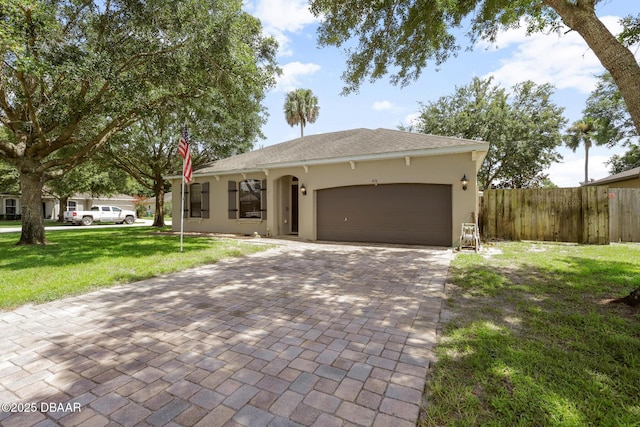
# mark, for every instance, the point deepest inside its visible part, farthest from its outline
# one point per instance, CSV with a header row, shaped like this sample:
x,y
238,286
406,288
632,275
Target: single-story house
x,y
10,204
150,204
626,179
357,185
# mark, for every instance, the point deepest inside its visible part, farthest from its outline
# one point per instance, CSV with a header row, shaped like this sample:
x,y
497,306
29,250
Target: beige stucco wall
x,y
218,221
441,169
629,183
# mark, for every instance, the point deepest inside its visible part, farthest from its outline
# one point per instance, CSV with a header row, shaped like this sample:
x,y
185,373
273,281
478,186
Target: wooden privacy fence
x,y
624,214
579,215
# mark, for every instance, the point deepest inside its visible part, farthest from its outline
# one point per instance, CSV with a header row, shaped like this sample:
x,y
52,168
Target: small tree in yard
x,y
301,107
583,132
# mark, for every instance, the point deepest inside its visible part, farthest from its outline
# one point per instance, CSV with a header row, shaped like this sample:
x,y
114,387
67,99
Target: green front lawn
x,y
84,259
532,339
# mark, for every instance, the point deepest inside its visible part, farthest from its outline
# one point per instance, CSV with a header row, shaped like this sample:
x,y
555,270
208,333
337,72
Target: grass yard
x,y
84,259
530,339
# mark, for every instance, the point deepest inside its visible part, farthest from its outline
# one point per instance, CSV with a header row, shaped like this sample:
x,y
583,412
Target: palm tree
x,y
301,107
584,132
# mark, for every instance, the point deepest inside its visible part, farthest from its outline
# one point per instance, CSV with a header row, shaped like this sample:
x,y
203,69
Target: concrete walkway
x,y
303,334
140,222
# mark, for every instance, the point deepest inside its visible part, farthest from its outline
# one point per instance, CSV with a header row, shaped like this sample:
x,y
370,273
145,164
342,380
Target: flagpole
x,y
182,209
183,150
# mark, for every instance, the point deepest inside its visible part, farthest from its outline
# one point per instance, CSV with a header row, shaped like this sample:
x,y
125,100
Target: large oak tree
x,y
74,73
405,35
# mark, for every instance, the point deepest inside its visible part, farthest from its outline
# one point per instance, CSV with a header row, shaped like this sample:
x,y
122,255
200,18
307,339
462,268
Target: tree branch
x,y
90,148
31,112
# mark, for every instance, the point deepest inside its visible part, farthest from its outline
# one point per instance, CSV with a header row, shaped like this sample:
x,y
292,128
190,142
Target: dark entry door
x,y
294,208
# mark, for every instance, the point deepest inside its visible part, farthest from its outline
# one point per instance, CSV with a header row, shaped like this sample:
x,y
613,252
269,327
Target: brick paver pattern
x,y
303,334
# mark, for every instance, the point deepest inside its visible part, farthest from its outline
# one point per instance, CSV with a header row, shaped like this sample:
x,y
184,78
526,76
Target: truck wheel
x,y
87,220
128,220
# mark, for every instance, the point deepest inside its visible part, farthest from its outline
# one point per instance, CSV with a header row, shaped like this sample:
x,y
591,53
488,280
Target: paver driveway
x,y
302,334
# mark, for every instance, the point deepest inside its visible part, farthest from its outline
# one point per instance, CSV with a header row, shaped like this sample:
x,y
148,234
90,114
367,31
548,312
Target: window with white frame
x,y
11,206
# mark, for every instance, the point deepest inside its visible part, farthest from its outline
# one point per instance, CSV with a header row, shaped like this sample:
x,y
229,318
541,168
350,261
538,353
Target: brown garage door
x,y
418,214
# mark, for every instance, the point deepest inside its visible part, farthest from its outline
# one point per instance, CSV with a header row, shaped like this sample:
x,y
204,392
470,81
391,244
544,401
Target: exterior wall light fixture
x,y
464,182
303,190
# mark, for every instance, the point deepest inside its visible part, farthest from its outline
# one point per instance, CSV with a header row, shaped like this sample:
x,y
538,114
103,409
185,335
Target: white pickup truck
x,y
100,213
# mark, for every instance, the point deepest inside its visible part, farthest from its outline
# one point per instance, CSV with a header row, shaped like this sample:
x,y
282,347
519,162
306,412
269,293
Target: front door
x,y
294,209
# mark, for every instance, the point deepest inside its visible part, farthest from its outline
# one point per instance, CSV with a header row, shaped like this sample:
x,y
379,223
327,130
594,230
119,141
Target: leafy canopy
x,y
605,104
623,162
74,73
405,35
522,128
613,123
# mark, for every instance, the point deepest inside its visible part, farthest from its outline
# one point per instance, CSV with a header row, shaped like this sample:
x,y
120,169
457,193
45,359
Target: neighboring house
x,y
150,204
358,185
10,204
626,179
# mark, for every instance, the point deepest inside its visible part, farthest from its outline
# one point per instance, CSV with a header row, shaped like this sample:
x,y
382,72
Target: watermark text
x,y
40,407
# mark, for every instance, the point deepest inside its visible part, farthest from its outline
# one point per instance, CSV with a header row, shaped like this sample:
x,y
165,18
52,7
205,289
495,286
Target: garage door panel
x,y
390,213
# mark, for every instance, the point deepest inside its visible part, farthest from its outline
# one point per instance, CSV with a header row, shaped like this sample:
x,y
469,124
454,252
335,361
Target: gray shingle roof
x,y
622,176
355,144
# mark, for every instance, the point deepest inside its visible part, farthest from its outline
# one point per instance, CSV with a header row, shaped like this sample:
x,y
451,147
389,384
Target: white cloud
x,y
570,171
292,74
382,106
280,17
284,15
563,60
412,119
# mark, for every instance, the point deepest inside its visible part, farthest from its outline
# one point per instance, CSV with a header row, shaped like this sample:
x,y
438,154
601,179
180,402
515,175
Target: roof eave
x,y
219,173
479,146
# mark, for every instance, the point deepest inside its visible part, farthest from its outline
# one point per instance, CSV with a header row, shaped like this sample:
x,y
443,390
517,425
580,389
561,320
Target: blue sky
x,y
562,60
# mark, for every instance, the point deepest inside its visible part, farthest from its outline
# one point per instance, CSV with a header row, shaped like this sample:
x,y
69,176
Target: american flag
x,y
183,150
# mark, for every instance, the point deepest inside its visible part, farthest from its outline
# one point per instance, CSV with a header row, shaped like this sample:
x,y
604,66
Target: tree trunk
x,y
62,207
158,220
586,162
31,208
613,56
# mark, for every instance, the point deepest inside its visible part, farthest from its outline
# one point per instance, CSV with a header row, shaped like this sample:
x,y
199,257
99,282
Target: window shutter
x,y
233,193
185,214
263,198
204,201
